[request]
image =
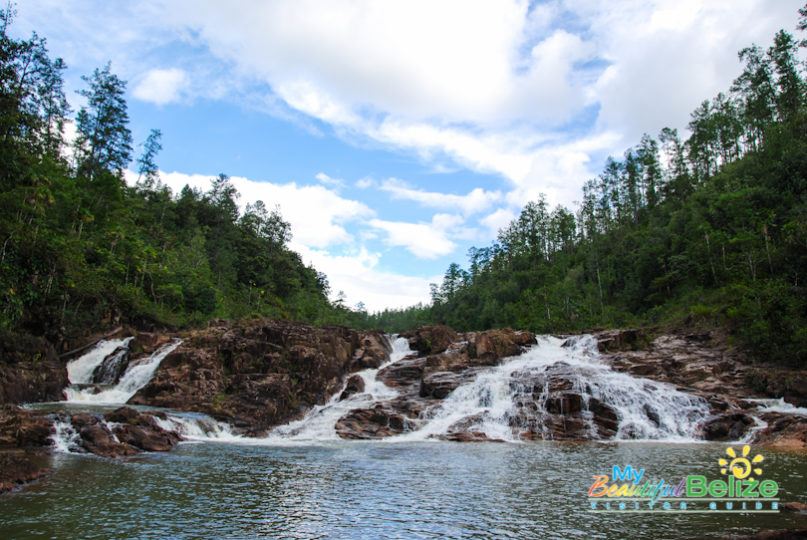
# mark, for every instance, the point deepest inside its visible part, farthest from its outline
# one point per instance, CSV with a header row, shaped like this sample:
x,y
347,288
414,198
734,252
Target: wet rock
x,y
374,423
605,418
112,367
783,431
440,384
122,432
491,345
372,353
17,469
355,385
97,437
793,507
430,339
147,342
619,340
405,372
729,426
24,435
30,371
469,436
20,428
260,373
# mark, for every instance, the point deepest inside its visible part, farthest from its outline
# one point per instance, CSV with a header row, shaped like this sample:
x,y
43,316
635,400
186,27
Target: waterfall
x,y
492,404
138,373
81,370
318,424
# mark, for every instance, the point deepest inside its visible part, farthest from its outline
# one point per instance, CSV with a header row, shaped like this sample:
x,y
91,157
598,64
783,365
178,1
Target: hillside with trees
x,y
711,230
80,250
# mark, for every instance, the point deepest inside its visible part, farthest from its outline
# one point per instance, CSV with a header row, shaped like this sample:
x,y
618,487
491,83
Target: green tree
x,y
104,142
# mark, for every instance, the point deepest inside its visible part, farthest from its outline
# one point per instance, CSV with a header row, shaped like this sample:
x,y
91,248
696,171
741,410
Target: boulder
x,y
374,423
728,426
488,347
260,373
430,339
355,385
30,371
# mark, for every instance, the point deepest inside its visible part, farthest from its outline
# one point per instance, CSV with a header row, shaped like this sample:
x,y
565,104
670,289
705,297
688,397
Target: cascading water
x,y
138,373
319,423
492,403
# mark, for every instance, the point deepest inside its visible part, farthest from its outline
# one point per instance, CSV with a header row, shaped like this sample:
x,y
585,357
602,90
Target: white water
x,y
318,424
646,410
65,439
778,405
80,370
491,398
137,375
198,427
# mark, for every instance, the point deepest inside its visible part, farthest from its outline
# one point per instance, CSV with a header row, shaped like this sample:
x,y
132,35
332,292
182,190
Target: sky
x,y
395,135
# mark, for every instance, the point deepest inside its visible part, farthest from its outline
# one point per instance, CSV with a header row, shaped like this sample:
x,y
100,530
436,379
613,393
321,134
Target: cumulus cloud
x,y
328,181
498,87
475,201
359,277
497,220
162,86
423,240
317,215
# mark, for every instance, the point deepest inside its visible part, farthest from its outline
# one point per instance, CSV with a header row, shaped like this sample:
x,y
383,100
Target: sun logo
x,y
740,467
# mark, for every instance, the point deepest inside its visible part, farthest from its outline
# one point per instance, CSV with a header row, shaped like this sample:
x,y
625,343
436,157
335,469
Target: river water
x,y
375,490
303,481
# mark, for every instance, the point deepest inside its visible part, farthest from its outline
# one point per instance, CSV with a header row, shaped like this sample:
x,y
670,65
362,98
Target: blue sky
x,y
396,135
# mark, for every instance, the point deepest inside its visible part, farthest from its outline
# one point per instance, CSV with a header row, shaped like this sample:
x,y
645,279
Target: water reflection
x,y
367,490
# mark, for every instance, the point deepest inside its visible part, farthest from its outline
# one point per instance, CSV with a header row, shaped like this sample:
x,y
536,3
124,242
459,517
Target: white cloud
x,y
328,181
475,201
317,215
361,280
162,86
423,240
496,86
497,220
364,183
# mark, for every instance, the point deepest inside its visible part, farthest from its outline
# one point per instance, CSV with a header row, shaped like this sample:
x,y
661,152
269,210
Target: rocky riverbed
x,y
259,374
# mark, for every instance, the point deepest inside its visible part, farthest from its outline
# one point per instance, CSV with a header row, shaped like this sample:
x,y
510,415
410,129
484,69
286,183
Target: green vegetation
x,y
703,232
707,231
80,249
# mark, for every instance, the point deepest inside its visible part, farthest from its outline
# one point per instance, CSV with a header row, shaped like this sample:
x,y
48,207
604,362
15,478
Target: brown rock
x,y
147,342
439,385
375,423
430,339
20,428
260,373
491,345
30,371
373,352
405,372
18,469
728,426
783,431
355,385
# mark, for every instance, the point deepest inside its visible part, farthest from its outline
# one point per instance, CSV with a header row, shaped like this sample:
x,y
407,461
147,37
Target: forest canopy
x,y
708,230
81,250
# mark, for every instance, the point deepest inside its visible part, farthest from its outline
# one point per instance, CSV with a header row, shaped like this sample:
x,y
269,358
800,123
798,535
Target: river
x,y
303,481
375,490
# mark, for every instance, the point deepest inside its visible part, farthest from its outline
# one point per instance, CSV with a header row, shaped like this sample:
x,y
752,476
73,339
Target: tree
x,y
104,142
147,170
790,97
